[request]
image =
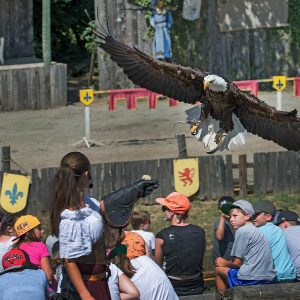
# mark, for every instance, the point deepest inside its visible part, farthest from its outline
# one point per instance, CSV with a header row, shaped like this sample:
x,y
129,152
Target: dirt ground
x,y
38,139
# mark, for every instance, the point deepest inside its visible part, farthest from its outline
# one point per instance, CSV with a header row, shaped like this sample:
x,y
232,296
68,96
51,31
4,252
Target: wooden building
x,y
25,82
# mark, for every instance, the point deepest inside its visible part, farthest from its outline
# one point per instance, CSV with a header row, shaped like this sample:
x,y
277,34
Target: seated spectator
x,y
182,245
289,222
52,244
223,232
7,235
28,229
264,213
21,279
140,222
251,260
151,281
136,245
120,285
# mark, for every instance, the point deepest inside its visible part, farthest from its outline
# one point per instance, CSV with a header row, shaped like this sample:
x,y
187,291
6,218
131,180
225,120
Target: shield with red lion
x,y
186,176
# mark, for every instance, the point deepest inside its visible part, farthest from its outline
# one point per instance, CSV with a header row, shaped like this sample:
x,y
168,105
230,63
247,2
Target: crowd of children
x,y
90,255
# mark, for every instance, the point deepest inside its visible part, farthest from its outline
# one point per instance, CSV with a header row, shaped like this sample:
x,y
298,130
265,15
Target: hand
x,y
86,296
220,262
146,187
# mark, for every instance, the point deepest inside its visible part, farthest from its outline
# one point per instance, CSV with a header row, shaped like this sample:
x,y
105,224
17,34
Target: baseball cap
x,y
15,259
50,242
176,202
264,206
26,223
244,205
287,215
225,200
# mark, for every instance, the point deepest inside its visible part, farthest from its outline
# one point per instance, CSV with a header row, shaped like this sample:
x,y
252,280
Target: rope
x,y
18,165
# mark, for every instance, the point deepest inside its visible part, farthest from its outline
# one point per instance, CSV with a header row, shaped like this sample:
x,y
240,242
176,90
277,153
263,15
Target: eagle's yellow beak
x,y
206,85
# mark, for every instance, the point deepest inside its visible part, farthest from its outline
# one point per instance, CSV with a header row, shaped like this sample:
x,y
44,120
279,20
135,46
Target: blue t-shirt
x,y
284,266
26,285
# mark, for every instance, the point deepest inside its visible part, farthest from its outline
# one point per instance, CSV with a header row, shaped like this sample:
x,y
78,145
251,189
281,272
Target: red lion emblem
x,y
186,176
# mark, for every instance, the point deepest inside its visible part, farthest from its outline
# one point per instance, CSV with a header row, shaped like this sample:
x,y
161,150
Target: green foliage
x,y
67,26
89,37
294,26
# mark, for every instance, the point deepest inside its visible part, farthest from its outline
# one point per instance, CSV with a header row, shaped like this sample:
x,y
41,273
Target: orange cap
x,y
176,202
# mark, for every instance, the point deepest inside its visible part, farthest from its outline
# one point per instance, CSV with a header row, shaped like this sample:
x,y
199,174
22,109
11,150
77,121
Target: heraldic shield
x,y
14,192
186,176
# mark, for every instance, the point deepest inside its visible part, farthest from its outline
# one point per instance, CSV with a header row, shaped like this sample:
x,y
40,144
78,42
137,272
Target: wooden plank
x,y
54,84
260,173
294,180
243,174
33,196
229,176
4,91
213,182
47,87
282,172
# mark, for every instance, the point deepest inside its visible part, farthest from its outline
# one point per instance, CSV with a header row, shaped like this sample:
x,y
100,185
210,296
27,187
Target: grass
x,y
204,213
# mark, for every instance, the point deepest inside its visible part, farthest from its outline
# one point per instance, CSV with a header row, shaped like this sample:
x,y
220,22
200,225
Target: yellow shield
x,y
186,176
14,192
86,96
279,83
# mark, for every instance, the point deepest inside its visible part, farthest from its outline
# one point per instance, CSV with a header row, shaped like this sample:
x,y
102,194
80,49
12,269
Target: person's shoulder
x,y
195,227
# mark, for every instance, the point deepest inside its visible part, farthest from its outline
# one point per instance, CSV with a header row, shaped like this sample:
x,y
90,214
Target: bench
x,y
131,96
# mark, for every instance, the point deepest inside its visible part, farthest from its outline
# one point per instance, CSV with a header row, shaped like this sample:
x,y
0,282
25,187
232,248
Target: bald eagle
x,y
221,98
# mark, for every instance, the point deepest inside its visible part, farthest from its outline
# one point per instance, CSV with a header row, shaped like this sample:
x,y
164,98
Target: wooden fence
x,y
274,172
16,26
32,86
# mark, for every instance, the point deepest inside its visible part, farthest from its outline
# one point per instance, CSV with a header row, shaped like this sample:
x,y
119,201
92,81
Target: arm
x,y
235,263
76,279
221,228
158,253
128,291
147,250
46,267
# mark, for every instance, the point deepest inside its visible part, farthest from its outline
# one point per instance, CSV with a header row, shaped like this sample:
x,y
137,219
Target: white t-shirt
x,y
148,237
113,282
4,248
151,280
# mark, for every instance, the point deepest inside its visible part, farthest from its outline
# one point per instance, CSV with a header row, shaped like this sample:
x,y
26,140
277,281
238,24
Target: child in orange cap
x,y
28,230
182,245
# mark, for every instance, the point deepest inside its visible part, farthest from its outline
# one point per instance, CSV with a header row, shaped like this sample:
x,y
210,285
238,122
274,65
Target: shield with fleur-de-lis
x,y
14,192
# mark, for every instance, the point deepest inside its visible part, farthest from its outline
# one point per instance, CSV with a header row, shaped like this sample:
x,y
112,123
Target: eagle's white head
x,y
215,83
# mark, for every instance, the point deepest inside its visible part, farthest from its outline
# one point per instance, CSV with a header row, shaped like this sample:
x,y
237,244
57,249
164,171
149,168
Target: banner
x,y
186,176
191,9
14,192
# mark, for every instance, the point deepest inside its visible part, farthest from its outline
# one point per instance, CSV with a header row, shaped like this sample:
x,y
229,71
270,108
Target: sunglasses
x,y
164,208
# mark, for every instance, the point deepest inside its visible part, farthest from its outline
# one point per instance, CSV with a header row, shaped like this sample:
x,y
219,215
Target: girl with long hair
x,y
76,220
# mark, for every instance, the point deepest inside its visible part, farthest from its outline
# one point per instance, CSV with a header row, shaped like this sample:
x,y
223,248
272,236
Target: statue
x,y
161,20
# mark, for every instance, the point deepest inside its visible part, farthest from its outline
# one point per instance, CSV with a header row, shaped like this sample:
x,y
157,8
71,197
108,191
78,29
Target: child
x,y
21,279
52,244
263,219
140,223
223,231
6,235
28,229
251,262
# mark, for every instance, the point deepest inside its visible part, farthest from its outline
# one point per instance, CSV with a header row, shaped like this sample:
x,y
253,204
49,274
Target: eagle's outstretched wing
x,y
259,118
181,83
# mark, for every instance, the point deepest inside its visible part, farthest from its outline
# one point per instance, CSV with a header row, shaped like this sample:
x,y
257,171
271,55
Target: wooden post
x,y
182,153
243,174
5,159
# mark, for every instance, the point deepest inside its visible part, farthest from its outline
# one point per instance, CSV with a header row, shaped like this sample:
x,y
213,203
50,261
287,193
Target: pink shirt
x,y
36,251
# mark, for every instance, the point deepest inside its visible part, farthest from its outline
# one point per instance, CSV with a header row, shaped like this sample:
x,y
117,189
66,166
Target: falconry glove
x,y
118,205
